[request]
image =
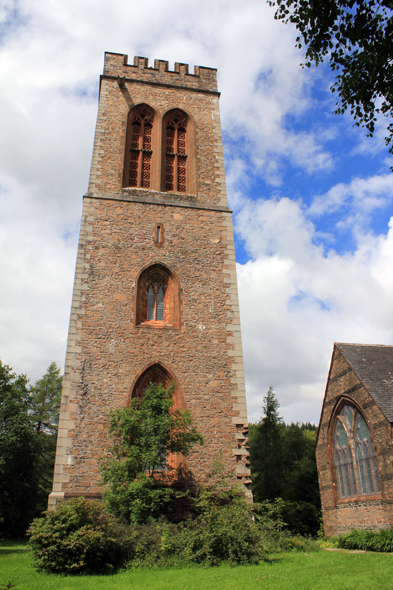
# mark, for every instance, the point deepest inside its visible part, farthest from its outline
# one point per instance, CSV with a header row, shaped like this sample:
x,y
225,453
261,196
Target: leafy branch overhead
x,y
357,38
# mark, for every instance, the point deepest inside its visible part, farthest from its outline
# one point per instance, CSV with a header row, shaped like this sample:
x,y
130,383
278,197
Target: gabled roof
x,y
373,364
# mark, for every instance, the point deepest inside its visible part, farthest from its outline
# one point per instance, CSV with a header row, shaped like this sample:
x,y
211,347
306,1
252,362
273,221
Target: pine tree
x,y
266,451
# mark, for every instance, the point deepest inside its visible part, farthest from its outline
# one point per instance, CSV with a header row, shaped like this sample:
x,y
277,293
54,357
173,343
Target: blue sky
x,y
311,194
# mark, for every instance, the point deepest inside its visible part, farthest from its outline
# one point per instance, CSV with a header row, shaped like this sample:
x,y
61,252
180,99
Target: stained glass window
x,y
354,455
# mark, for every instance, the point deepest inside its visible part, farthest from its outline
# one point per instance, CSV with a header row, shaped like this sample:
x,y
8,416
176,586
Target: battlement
x,y
116,64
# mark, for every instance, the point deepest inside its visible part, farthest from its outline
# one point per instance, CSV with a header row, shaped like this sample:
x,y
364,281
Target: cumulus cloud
x,y
296,300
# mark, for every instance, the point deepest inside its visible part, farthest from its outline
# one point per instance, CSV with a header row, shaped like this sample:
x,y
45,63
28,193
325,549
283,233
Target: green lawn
x,y
314,571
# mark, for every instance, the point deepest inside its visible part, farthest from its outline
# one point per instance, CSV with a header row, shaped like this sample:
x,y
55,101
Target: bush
x,y
140,501
381,541
298,518
77,537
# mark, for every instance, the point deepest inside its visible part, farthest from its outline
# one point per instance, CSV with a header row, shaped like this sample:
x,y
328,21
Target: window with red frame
x,y
176,153
141,126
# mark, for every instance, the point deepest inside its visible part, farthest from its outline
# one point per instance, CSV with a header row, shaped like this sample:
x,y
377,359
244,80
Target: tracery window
x,y
140,129
176,152
354,455
157,298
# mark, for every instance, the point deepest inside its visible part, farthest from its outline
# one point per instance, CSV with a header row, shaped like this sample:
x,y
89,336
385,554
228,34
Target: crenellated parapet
x,y
203,79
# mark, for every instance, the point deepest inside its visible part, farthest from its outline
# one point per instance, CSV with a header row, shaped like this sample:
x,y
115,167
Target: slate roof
x,y
373,364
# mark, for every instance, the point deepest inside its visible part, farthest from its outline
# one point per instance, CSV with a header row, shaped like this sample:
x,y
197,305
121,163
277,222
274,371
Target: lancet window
x,y
176,152
354,455
140,157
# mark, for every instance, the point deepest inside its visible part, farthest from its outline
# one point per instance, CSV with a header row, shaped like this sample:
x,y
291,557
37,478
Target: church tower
x,y
155,292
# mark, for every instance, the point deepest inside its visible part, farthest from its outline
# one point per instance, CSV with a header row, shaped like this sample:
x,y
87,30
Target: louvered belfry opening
x,y
140,128
354,455
176,152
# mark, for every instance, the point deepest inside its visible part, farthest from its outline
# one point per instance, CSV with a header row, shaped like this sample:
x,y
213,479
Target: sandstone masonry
x,y
138,238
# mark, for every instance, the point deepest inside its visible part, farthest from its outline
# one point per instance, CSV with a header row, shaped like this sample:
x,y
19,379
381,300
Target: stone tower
x,y
155,292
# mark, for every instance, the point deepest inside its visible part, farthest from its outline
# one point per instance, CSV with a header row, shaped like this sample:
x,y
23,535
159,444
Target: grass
x,y
321,570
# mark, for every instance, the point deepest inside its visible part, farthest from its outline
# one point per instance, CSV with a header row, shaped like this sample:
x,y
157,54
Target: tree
x,y
16,453
357,37
300,476
44,401
144,435
26,448
266,452
44,409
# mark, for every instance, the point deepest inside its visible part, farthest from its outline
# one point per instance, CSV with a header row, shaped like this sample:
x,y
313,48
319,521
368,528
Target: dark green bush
x,y
77,537
301,518
298,518
222,533
366,540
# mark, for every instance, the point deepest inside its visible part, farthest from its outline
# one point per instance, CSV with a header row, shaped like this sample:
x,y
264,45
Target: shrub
x,y
138,502
301,518
77,537
221,533
298,518
366,540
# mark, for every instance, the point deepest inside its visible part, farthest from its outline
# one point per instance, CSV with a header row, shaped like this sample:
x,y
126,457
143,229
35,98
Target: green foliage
x,y
265,450
381,541
18,482
28,427
222,533
223,529
357,37
9,586
283,465
143,437
77,537
301,518
139,501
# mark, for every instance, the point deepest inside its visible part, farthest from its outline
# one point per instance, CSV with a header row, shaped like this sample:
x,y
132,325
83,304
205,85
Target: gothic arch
x,y
352,455
157,372
141,156
178,157
157,300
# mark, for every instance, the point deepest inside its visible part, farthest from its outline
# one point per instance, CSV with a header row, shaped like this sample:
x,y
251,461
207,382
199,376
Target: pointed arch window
x,y
139,142
157,298
354,455
176,152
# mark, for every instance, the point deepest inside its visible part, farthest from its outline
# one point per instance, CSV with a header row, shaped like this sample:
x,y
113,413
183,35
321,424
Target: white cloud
x,y
296,302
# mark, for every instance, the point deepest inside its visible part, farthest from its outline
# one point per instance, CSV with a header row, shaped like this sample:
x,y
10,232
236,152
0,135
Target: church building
x,y
355,440
155,293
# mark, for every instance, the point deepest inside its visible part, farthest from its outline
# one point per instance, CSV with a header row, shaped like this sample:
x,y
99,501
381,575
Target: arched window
x,y
157,373
175,133
157,298
139,147
354,455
